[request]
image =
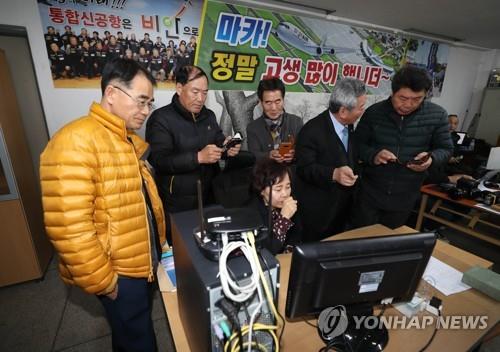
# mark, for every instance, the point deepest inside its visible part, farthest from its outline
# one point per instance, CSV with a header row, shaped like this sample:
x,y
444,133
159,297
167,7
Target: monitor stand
x,y
362,339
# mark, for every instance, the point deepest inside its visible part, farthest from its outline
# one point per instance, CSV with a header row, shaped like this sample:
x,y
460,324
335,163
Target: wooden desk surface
x,y
299,336
434,191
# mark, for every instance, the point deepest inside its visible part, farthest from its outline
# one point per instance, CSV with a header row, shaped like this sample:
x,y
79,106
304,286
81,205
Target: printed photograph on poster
x,y
82,35
240,45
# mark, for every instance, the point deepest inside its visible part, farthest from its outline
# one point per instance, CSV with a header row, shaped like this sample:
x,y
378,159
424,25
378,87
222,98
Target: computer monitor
x,y
462,137
463,143
356,273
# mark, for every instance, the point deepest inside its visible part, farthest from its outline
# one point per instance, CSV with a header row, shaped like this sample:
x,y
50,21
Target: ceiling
x,y
474,23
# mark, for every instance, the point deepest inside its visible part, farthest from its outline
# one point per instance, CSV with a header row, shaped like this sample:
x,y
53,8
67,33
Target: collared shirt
x,y
337,125
274,127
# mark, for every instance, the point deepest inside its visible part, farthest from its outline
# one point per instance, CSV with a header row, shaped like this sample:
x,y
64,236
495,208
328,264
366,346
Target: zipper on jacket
x,y
150,274
171,187
400,128
108,239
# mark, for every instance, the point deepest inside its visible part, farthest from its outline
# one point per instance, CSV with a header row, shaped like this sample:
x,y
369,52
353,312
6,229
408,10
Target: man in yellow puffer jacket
x,y
102,211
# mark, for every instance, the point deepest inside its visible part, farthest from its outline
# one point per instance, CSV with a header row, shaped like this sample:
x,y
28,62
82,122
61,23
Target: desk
x,y
474,216
299,336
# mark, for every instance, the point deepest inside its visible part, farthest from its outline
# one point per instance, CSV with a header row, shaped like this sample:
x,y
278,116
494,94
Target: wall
x,y
465,80
63,105
21,68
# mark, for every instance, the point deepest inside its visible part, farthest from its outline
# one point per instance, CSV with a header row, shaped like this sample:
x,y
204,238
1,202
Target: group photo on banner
x,y
81,36
236,45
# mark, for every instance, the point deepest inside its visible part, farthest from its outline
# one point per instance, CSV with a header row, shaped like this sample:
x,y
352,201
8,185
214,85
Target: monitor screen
x,y
356,271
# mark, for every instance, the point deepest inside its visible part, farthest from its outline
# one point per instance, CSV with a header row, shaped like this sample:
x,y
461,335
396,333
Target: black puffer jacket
x,y
176,136
393,186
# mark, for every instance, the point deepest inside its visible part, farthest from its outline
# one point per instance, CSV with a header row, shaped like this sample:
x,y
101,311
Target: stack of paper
x,y
445,278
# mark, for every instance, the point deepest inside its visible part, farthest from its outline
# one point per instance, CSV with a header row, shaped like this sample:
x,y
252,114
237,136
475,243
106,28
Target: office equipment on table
x,y
357,274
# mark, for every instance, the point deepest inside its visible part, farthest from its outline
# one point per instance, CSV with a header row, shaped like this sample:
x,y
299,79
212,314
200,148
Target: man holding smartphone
x,y
187,143
273,134
399,139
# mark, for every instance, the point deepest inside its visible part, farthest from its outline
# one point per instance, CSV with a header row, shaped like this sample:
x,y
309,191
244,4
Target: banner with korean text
x,y
241,45
82,35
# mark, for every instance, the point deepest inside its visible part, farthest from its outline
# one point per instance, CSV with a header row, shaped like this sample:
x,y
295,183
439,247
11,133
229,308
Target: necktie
x,y
345,137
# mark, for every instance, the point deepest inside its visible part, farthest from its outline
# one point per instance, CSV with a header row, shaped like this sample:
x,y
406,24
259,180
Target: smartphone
x,y
420,161
235,140
285,148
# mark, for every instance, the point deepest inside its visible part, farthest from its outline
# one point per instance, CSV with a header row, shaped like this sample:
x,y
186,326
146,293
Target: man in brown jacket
x,y
102,211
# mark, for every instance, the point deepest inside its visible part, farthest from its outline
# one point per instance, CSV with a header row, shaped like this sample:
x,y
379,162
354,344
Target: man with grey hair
x,y
326,160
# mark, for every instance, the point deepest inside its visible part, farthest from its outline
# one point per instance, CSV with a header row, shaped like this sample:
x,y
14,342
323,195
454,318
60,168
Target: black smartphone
x,y
419,161
235,140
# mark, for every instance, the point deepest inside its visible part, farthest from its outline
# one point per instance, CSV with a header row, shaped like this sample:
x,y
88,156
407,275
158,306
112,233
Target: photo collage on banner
x,y
82,35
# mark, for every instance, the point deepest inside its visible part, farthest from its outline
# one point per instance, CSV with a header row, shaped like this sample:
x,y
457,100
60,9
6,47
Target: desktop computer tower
x,y
199,288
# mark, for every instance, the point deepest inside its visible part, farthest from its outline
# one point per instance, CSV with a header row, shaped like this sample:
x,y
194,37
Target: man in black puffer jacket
x,y
186,143
399,139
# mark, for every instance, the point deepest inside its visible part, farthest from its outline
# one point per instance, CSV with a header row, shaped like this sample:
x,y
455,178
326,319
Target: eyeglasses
x,y
140,103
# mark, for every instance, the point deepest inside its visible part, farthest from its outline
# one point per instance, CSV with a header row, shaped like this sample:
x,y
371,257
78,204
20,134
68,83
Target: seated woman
x,y
270,175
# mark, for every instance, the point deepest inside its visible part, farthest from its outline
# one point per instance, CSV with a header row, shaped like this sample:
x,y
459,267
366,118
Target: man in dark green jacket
x,y
399,139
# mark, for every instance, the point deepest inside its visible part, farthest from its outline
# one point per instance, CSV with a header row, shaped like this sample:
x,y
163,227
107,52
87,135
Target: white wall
x,y
463,78
21,68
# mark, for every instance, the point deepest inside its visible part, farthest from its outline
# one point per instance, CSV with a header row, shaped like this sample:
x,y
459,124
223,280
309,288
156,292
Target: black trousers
x,y
366,213
129,316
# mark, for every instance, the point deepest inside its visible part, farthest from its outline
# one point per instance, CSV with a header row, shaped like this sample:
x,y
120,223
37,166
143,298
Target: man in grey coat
x,y
265,134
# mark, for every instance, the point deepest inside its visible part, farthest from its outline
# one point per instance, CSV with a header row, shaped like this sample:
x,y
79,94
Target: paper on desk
x,y
445,278
166,273
487,208
494,159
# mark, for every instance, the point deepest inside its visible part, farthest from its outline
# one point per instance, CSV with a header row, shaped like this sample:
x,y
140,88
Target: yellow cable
x,y
261,347
264,282
246,329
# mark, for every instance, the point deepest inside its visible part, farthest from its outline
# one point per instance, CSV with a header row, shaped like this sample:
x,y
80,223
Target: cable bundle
x,y
241,293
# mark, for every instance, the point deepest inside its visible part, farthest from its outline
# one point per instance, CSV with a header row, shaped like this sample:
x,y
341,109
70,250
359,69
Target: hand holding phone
x,y
285,148
234,141
420,161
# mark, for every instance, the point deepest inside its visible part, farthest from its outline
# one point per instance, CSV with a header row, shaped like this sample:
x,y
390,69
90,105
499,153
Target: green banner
x,y
241,45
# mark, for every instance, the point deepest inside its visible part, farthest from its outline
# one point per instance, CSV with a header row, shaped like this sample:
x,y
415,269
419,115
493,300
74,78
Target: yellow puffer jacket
x,y
94,209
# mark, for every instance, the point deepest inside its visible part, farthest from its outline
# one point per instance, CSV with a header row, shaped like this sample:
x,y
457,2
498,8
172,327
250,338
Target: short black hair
x,y
273,83
413,77
50,27
268,172
189,73
123,71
